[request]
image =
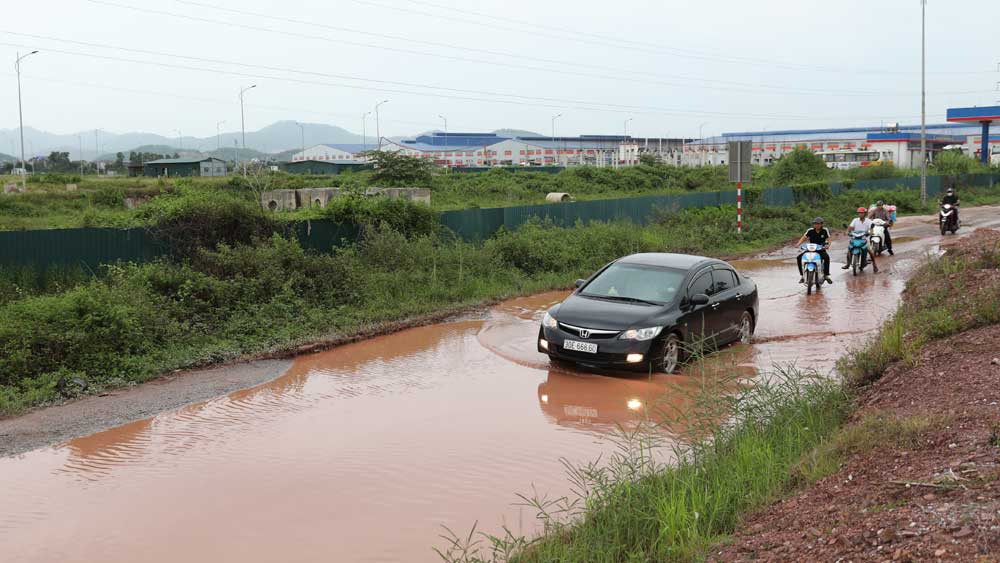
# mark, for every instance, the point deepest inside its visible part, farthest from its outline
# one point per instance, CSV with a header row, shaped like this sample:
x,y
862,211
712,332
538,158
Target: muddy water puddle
x,y
364,452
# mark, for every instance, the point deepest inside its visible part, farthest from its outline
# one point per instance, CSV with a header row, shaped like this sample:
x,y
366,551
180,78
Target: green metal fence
x,y
95,246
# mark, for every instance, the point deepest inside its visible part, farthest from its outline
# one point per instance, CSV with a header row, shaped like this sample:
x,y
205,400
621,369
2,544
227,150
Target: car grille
x,y
595,334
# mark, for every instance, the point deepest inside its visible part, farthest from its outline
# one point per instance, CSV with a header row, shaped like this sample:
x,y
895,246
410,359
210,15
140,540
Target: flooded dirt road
x,y
364,452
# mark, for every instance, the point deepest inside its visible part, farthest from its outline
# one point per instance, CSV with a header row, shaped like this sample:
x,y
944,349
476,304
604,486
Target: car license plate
x,y
580,346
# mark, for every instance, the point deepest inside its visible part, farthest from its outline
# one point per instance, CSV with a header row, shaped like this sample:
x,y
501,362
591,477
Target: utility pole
x,y
180,139
243,124
79,138
218,136
445,119
923,102
302,130
378,127
20,117
625,147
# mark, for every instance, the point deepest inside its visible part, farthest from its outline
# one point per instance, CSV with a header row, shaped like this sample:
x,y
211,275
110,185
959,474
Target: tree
x,y
399,170
59,162
800,165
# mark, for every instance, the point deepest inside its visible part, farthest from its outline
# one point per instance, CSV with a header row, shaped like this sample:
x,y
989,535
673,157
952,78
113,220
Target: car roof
x,y
669,260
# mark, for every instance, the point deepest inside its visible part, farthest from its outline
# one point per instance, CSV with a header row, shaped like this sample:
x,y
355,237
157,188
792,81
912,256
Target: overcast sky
x,y
670,65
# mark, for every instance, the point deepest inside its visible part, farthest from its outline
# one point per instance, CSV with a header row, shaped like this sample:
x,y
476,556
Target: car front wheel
x,y
746,327
669,357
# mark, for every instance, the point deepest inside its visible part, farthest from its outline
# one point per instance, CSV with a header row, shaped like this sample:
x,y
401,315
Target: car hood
x,y
611,315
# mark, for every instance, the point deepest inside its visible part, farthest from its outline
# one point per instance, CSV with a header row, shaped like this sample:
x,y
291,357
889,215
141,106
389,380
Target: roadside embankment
x,y
915,473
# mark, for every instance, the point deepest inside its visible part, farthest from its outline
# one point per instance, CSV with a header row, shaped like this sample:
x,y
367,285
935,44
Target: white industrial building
x,y
334,152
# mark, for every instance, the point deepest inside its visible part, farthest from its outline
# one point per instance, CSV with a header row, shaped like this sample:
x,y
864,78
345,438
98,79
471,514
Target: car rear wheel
x,y
669,358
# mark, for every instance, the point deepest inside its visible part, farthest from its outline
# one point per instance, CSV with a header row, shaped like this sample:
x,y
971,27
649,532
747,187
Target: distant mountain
x,y
7,158
277,137
516,133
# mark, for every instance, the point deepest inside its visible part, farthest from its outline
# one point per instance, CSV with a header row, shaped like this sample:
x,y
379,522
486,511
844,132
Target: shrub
x,y
192,219
799,166
108,196
406,217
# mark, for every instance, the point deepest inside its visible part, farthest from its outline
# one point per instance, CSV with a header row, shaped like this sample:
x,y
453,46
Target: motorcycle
x,y
877,240
948,219
812,266
859,251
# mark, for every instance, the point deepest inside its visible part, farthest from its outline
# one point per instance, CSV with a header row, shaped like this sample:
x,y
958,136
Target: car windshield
x,y
629,282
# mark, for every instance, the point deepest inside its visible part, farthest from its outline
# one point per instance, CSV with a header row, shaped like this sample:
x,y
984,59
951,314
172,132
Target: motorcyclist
x,y
861,223
951,199
818,235
880,212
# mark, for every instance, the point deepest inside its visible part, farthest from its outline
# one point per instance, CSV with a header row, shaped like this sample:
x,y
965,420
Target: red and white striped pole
x,y
739,207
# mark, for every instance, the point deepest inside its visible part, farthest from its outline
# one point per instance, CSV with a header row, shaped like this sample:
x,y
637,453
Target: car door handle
x,y
739,296
715,305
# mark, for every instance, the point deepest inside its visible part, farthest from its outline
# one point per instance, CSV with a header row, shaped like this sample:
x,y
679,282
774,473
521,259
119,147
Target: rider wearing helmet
x,y
818,235
880,212
861,223
951,199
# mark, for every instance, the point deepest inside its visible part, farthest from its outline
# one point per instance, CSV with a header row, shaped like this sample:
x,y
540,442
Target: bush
x,y
953,163
799,166
108,196
193,219
406,217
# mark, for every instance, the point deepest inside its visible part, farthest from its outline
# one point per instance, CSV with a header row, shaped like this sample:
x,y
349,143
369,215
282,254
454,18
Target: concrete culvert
x,y
272,205
558,197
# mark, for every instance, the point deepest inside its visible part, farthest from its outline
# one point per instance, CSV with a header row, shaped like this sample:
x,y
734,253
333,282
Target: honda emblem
x,y
584,333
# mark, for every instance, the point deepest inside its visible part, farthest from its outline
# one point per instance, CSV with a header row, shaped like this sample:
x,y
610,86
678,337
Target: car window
x,y
637,281
702,284
724,280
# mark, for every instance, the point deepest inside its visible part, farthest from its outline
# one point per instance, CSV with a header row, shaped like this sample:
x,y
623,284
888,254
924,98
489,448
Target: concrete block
x,y
71,187
558,197
316,197
11,188
279,200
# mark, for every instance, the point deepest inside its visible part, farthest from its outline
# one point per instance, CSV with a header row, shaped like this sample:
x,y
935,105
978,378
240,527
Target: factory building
x,y
842,148
458,150
334,152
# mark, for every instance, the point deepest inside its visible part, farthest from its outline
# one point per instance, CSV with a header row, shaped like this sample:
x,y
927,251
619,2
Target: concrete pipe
x,y
558,197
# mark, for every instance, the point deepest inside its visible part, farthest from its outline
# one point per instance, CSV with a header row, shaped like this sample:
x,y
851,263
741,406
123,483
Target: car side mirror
x,y
580,283
699,299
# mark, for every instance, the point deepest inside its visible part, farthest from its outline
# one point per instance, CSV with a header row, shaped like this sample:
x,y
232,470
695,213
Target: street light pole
x,y
243,123
445,119
364,130
302,130
628,161
97,153
20,117
180,139
701,140
218,136
79,139
923,102
554,118
378,127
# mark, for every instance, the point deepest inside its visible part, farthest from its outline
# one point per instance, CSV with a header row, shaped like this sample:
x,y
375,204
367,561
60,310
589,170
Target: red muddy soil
x,y
933,499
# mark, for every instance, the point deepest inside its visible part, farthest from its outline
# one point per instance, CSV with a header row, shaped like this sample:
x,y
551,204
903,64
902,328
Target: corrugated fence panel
x,y
89,247
323,235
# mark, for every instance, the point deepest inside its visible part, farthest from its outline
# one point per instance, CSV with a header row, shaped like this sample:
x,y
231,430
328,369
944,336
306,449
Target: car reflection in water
x,y
606,404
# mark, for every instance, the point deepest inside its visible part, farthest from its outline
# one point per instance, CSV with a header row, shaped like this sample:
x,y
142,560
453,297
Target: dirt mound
x,y
932,495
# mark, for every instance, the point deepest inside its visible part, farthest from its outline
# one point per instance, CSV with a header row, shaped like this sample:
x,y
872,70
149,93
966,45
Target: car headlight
x,y
648,333
548,321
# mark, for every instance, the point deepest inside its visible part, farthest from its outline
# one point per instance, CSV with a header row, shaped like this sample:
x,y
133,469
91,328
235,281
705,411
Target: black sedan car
x,y
648,311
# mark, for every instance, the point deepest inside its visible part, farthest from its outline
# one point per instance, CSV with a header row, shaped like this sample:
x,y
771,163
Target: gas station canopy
x,y
984,115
